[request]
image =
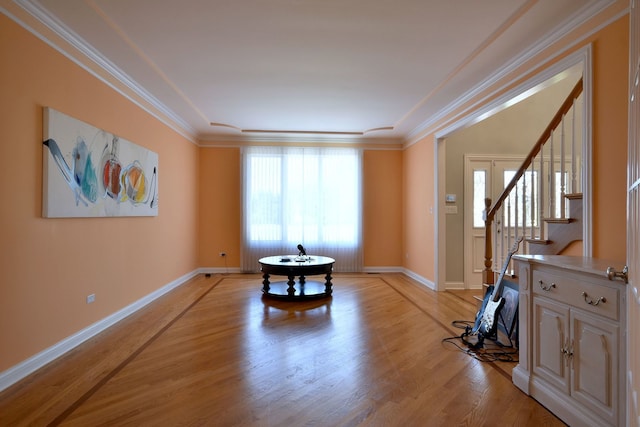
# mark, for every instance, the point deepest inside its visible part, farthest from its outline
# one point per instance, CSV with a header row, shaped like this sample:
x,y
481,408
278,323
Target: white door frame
x,y
582,56
495,184
633,228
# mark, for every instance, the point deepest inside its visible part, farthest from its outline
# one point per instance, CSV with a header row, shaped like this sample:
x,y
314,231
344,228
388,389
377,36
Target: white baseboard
x,y
422,280
382,269
219,270
30,365
520,378
456,286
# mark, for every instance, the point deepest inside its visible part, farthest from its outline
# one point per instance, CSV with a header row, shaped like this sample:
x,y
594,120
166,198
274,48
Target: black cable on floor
x,y
486,349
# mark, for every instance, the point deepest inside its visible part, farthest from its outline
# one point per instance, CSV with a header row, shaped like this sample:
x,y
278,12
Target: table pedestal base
x,y
291,267
302,289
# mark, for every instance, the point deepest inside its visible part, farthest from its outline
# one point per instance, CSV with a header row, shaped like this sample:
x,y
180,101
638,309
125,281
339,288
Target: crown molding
x,y
131,90
149,103
164,114
299,137
527,88
456,108
301,140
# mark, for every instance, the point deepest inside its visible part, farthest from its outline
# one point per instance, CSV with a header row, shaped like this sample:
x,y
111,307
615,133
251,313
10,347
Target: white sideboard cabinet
x,y
572,338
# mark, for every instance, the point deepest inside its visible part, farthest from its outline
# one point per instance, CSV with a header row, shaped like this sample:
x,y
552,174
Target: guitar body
x,y
480,313
486,323
489,321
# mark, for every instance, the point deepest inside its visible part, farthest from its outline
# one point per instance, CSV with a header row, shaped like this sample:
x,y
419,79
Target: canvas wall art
x,y
89,172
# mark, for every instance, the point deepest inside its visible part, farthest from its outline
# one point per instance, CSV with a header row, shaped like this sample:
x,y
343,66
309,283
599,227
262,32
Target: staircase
x,y
543,202
562,232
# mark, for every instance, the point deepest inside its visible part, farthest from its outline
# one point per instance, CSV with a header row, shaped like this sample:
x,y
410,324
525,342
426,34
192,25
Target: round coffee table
x,y
292,266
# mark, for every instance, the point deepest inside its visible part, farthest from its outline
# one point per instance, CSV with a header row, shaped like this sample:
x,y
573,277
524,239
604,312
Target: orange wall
x,y
610,80
419,210
49,266
382,207
610,127
221,207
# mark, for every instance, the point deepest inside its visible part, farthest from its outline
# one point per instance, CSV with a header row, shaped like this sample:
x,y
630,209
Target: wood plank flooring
x,y
213,352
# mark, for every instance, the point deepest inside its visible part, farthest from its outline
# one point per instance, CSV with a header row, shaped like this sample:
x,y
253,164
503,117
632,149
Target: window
x,y
296,195
519,206
479,194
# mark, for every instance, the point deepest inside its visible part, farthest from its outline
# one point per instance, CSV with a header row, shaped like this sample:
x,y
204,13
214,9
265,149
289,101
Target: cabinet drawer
x,y
589,296
596,298
552,286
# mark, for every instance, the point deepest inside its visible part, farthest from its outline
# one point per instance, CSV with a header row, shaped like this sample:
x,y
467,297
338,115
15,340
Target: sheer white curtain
x,y
302,195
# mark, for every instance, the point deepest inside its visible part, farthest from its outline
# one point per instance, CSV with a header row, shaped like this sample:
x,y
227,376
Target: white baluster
x,y
516,205
574,182
541,195
562,173
508,237
552,179
524,203
532,201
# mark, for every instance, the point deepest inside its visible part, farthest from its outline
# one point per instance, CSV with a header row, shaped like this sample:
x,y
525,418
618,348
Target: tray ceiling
x,y
332,69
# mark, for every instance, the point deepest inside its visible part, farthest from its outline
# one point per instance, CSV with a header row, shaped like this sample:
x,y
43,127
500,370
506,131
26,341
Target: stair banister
x,y
491,211
487,273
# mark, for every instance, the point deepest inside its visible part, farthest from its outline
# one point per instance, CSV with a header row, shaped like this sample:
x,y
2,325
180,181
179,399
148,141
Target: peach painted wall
x,y
49,266
610,127
220,207
419,202
610,79
382,206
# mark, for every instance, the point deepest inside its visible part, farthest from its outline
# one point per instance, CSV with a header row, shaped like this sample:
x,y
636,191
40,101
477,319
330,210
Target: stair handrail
x,y
490,211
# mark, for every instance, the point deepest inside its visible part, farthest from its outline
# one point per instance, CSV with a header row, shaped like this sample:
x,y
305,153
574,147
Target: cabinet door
x,y
550,340
595,364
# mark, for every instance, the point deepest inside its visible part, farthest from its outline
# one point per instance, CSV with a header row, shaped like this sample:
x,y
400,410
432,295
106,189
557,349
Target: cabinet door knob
x,y
590,300
612,273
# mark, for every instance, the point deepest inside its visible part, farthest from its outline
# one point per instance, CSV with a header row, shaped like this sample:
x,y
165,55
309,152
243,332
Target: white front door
x,y
484,177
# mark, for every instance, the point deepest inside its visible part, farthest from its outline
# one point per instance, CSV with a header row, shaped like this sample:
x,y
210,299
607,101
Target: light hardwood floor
x,y
215,353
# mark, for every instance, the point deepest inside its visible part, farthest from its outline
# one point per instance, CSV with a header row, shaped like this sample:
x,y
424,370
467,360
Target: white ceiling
x,y
308,68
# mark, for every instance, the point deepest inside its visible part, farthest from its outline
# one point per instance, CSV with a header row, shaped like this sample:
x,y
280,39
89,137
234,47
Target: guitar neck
x,y
498,287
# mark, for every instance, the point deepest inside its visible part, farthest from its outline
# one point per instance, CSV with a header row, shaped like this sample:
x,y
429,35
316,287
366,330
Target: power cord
x,y
481,350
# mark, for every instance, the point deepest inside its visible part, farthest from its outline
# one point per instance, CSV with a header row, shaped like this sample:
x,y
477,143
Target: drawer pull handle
x,y
591,301
546,288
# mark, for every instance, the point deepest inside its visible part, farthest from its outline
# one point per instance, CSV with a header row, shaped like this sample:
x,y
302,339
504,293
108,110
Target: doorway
x,y
485,176
449,251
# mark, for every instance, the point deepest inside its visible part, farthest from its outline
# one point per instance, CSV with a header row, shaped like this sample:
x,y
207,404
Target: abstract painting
x,y
88,172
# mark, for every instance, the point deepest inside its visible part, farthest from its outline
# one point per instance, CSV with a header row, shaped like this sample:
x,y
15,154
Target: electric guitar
x,y
487,318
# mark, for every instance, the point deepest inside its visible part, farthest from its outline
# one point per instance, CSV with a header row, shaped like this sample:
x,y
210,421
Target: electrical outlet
x,y
91,298
223,254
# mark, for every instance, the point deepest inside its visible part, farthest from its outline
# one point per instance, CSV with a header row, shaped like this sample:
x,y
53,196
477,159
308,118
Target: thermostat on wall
x,y
450,198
